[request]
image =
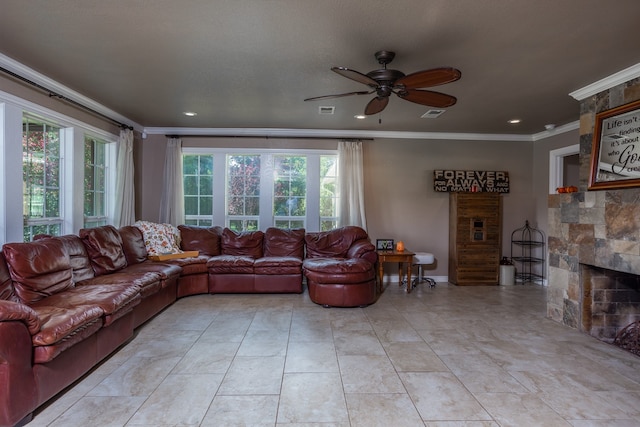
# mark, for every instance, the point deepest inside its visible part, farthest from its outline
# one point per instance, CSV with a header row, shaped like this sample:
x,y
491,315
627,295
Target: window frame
x,y
110,154
45,224
12,111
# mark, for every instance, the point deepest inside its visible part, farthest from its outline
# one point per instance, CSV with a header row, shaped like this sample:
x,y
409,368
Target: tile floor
x,y
445,356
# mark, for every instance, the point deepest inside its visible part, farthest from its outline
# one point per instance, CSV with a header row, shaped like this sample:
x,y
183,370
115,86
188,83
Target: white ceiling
x,y
250,63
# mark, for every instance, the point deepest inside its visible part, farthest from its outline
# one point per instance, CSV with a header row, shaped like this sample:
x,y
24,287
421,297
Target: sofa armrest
x,y
12,311
363,249
18,391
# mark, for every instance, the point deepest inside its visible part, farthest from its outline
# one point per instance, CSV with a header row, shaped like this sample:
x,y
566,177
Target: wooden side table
x,y
403,257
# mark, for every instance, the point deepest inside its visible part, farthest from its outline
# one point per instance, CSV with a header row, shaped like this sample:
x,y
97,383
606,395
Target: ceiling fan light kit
x,y
383,82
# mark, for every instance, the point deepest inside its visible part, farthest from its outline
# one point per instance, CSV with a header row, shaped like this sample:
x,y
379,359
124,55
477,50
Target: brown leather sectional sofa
x,y
68,302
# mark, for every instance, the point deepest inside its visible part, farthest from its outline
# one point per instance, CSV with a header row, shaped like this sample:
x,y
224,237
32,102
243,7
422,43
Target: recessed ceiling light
x,y
190,113
360,116
514,121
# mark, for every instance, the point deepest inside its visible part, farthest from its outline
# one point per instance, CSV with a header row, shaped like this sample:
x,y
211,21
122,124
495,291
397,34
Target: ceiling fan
x,y
383,82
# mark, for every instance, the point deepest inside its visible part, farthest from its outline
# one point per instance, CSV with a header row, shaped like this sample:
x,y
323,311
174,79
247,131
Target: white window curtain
x,y
125,205
351,184
172,200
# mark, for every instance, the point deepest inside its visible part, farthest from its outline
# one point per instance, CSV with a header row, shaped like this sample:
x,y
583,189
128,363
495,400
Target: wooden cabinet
x,y
475,236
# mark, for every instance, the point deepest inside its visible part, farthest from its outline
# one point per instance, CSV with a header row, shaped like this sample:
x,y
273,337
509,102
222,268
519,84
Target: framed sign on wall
x,y
615,153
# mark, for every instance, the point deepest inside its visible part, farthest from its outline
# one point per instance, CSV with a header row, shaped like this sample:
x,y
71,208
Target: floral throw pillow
x,y
159,239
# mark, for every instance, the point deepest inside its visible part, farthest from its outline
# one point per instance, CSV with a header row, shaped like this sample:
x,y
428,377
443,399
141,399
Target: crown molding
x,y
556,131
331,133
620,77
60,89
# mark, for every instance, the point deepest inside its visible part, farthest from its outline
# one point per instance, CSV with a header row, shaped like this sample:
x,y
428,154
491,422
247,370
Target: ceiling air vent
x,y
432,114
326,110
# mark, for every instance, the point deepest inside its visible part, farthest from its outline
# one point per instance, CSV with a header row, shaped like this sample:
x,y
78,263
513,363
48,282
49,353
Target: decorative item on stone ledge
x,y
571,189
454,181
629,338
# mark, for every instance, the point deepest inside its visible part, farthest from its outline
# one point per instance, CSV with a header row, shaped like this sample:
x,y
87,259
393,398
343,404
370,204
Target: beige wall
x,y
402,205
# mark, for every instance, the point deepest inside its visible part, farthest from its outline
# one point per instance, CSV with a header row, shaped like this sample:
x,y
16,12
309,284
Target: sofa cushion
x,y
205,240
191,265
341,271
159,238
284,243
78,257
104,247
275,265
245,243
135,250
114,299
62,328
230,264
148,282
38,269
61,322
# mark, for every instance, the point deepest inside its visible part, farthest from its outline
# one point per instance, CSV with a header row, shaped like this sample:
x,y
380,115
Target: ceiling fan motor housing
x,y
384,76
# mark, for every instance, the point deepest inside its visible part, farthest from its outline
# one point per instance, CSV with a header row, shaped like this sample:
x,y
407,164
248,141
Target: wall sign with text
x,y
471,181
615,154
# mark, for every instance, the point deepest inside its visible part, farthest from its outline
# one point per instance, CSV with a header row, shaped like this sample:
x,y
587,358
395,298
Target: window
x,y
289,191
243,192
95,182
255,190
198,189
41,171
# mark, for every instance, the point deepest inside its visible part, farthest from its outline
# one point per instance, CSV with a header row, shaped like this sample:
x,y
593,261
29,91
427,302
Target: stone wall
x,y
599,228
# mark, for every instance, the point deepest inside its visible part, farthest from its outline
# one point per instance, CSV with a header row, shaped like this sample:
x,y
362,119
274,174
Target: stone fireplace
x,y
594,241
610,301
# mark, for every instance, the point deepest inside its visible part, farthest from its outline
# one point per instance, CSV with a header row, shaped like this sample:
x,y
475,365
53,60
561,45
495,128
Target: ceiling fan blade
x,y
355,75
340,95
376,105
428,78
428,97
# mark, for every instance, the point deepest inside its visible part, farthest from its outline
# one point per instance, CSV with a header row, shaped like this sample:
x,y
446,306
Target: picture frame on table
x,y
384,244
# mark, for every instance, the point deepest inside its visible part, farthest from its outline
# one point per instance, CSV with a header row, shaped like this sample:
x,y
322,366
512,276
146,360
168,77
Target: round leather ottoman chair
x,y
338,282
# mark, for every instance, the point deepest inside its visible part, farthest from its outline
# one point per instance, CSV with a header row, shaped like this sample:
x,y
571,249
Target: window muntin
x,y
41,169
198,189
95,182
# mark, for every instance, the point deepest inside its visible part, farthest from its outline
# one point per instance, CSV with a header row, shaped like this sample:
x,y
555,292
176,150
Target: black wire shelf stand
x,y
528,254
